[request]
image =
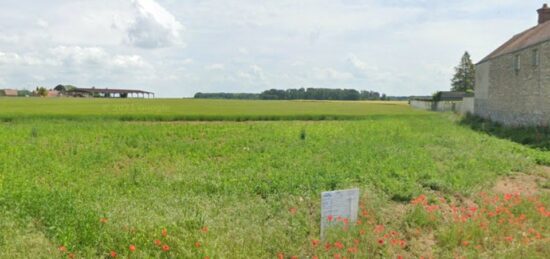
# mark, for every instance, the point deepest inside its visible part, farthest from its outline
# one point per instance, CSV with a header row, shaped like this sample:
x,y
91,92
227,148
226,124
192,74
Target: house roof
x,y
109,91
530,37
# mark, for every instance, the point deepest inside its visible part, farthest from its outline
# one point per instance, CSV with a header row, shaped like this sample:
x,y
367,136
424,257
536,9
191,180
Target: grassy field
x,y
79,180
193,109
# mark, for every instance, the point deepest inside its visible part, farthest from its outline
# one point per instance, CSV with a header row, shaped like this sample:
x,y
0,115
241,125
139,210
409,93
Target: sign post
x,y
342,204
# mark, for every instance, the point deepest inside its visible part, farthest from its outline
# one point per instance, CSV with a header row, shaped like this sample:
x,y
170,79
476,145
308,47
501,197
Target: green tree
x,y
464,78
41,91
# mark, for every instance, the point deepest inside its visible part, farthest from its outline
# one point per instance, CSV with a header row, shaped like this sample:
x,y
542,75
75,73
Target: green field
x,y
88,177
193,109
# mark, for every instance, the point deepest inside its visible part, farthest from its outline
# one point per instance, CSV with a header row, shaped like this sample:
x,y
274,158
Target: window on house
x,y
517,63
536,57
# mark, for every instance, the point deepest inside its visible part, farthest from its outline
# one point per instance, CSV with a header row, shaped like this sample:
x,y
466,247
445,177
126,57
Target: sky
x,y
176,48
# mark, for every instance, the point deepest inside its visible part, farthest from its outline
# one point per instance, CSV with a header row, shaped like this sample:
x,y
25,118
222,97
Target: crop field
x,y
88,178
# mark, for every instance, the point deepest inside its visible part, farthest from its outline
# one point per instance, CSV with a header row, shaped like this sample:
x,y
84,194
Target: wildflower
x,y
352,250
294,257
165,248
71,256
157,242
197,244
328,246
399,257
358,222
509,238
339,245
62,249
204,229
103,220
337,256
132,248
465,243
381,241
315,257
362,232
365,213
207,257
280,256
356,241
293,210
379,229
113,254
315,242
164,232
508,196
330,218
345,221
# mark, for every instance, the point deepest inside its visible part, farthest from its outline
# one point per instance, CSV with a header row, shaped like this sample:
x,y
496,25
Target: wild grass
x,y
87,188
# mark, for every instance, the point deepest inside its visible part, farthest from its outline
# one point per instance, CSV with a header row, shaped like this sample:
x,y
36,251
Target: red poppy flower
x,y
197,244
315,242
337,256
164,232
113,254
132,248
381,241
165,248
465,243
399,257
280,256
294,257
204,229
71,256
103,220
379,229
509,238
293,211
157,242
62,249
330,218
339,245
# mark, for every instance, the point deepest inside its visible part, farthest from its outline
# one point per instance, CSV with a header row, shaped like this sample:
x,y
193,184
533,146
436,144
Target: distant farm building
x,y
109,93
513,82
10,92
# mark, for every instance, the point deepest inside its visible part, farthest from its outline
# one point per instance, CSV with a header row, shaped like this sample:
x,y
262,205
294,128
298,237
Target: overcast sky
x,y
178,47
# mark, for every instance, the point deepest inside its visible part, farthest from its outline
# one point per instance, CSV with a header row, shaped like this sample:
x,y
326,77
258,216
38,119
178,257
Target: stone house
x,y
513,82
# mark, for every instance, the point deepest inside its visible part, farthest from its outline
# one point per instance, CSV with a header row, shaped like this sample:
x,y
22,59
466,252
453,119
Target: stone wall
x,y
515,97
461,107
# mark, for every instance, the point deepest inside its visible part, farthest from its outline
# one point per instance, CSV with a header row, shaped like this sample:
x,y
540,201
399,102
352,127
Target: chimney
x,y
544,14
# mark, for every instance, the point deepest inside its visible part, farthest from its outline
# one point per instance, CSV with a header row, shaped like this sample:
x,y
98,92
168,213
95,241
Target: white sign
x,y
338,207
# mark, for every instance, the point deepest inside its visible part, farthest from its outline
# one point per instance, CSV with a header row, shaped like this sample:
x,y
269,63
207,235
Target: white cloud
x,y
331,74
213,67
154,26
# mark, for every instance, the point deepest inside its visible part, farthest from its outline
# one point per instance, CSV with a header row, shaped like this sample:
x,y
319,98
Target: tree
x,y
41,91
60,88
464,78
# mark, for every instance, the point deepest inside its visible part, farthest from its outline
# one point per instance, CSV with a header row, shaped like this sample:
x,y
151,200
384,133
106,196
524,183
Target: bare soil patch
x,y
525,184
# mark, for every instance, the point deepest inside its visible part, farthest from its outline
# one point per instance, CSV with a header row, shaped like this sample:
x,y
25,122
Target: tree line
x,y
299,94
